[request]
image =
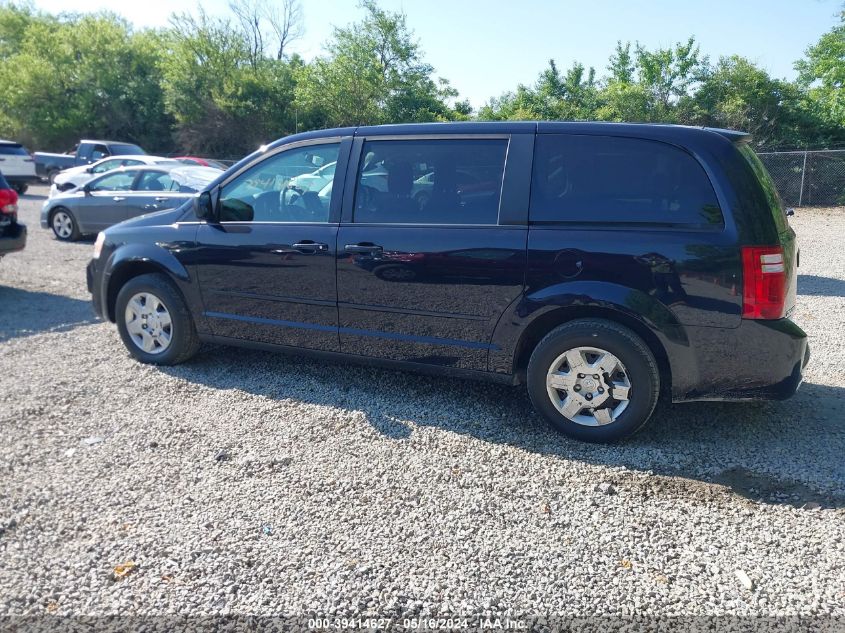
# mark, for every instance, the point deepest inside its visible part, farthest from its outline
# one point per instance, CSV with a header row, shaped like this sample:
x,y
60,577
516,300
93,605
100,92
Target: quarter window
x,y
286,187
449,181
602,179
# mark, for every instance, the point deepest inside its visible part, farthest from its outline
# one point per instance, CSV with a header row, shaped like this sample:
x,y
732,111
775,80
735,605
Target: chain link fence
x,y
808,178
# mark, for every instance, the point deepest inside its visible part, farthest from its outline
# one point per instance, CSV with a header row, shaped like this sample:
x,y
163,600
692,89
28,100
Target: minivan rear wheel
x,y
594,380
154,321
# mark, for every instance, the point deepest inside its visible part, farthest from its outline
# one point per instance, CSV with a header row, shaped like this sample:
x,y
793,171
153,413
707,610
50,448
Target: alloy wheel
x,y
148,323
62,224
588,386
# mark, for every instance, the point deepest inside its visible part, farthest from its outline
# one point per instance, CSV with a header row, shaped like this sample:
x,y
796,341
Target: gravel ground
x,y
246,482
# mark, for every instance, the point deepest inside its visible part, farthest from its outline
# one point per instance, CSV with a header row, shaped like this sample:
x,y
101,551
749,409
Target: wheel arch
x,y
544,323
58,208
128,265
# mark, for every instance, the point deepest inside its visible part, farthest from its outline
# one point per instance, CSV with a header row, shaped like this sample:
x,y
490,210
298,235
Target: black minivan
x,y
601,264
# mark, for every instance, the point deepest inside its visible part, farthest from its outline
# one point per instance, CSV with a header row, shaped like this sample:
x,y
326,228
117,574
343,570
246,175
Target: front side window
x,y
443,181
100,151
114,182
276,189
619,180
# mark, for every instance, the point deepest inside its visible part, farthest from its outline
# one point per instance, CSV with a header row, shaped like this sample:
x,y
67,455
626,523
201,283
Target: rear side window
x,y
438,181
617,180
13,150
155,181
125,149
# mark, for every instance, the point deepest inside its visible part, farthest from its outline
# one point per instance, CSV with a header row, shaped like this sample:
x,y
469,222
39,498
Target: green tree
x,y
668,75
737,94
226,98
373,72
76,76
822,76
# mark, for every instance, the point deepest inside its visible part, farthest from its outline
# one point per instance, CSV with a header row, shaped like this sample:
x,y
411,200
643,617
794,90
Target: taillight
x,y
763,282
8,201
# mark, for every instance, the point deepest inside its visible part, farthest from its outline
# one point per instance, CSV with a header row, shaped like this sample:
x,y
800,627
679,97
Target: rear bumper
x,y
12,238
759,360
29,179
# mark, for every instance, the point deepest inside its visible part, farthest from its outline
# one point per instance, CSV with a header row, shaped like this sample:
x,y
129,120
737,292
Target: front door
x,y
266,269
425,268
106,201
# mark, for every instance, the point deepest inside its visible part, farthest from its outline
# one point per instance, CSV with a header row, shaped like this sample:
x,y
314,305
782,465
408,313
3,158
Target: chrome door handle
x,y
119,198
162,199
363,248
312,247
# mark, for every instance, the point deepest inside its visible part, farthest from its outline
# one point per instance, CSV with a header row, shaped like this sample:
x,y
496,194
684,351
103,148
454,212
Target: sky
x,y
487,47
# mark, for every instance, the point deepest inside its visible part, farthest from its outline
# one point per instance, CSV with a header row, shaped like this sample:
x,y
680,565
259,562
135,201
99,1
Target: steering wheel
x,y
290,195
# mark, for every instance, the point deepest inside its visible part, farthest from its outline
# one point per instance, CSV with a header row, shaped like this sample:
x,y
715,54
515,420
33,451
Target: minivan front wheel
x,y
594,380
154,321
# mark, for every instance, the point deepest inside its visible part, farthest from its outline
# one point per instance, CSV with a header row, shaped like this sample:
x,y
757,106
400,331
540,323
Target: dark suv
x,y
601,264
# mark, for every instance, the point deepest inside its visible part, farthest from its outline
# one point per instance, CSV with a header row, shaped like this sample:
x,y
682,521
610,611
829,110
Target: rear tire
x,y
64,225
614,393
154,321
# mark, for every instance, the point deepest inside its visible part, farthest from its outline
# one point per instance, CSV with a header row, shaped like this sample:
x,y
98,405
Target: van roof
x,y
104,142
649,130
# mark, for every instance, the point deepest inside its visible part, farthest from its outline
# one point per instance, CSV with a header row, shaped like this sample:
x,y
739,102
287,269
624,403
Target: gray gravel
x,y
246,482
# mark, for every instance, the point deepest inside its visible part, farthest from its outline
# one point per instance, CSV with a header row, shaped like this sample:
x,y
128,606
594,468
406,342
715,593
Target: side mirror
x,y
204,207
86,189
90,170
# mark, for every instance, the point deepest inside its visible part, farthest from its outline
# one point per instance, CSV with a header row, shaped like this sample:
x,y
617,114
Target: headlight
x,y
98,244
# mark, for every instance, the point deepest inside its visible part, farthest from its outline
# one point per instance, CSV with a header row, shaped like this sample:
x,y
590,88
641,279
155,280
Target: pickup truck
x,y
48,165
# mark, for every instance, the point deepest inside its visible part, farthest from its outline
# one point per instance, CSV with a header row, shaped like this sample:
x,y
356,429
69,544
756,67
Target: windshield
x,y
126,149
13,150
192,179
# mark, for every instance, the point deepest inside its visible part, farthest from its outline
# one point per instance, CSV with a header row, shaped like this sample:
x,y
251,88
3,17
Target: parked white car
x,y
17,165
316,180
78,176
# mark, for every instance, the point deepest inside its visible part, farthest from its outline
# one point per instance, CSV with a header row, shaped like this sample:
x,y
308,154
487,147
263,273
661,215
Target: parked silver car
x,y
121,194
77,176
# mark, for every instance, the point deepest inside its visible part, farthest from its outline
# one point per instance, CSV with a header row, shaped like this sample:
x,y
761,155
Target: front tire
x,y
594,380
64,225
154,321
